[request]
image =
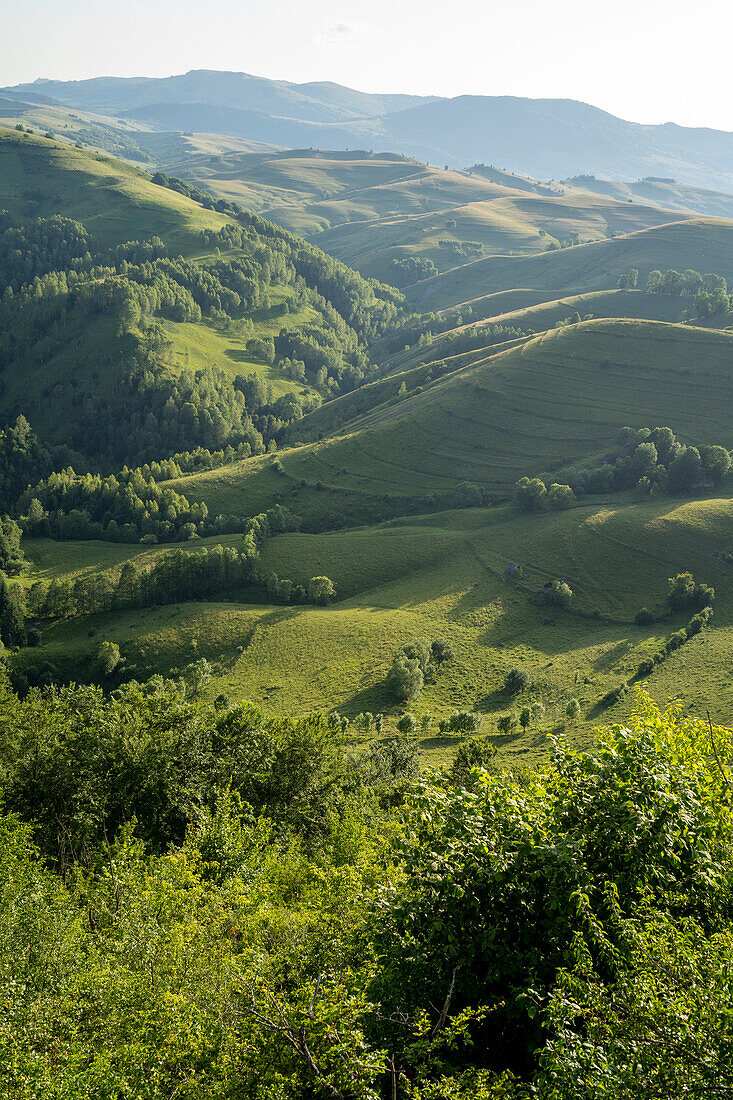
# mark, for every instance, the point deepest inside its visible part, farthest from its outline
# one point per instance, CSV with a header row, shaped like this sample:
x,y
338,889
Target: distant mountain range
x,y
543,138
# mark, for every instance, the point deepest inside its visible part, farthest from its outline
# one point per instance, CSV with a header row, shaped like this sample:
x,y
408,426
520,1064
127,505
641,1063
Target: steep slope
x,y
40,177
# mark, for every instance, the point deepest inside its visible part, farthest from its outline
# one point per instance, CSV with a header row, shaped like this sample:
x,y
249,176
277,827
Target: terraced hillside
x,y
555,400
702,244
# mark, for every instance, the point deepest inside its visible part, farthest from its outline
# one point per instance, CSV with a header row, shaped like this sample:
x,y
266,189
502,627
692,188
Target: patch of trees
x,y
710,292
568,242
532,495
650,461
176,576
125,507
411,269
39,246
467,249
475,336
12,558
417,663
629,280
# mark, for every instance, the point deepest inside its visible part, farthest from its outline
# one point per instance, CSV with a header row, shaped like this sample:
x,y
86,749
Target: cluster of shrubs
x,y
416,663
710,292
461,248
532,495
683,594
648,460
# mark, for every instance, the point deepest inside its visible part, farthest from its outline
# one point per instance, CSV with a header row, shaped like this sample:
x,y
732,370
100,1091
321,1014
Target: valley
x,y
257,374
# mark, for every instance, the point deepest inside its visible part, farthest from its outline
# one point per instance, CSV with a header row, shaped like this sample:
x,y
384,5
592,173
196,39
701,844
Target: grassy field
x,y
445,575
204,344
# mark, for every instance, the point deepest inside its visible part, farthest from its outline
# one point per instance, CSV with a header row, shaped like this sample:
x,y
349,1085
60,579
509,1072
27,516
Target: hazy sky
x,y
646,60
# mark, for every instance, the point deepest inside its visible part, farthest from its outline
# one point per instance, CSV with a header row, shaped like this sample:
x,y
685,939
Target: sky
x,y
645,60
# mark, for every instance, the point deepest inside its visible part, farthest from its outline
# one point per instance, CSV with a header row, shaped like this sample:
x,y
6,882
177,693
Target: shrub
x,y
516,681
407,724
465,721
559,594
441,651
645,667
108,658
572,710
321,590
644,617
405,679
476,752
467,495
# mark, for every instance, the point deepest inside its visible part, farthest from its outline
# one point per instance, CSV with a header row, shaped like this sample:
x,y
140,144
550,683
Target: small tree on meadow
x,y
321,590
560,497
405,679
529,494
467,495
525,717
572,710
560,594
407,724
537,712
198,675
516,681
108,658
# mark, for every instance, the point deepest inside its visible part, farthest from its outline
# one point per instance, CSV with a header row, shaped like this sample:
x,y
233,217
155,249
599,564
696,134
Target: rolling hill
x,y
374,456
702,244
555,400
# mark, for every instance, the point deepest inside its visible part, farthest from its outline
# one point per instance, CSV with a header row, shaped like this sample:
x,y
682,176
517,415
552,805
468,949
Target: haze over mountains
x,y
544,138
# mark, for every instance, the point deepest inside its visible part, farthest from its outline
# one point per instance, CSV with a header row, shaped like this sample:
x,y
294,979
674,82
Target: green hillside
x,y
139,299
702,244
285,383
40,177
446,575
556,400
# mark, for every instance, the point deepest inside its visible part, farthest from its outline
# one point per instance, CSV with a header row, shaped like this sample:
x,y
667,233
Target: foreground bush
x,y
563,934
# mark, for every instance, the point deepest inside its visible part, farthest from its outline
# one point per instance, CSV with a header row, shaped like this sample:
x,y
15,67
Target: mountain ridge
x,y
544,138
